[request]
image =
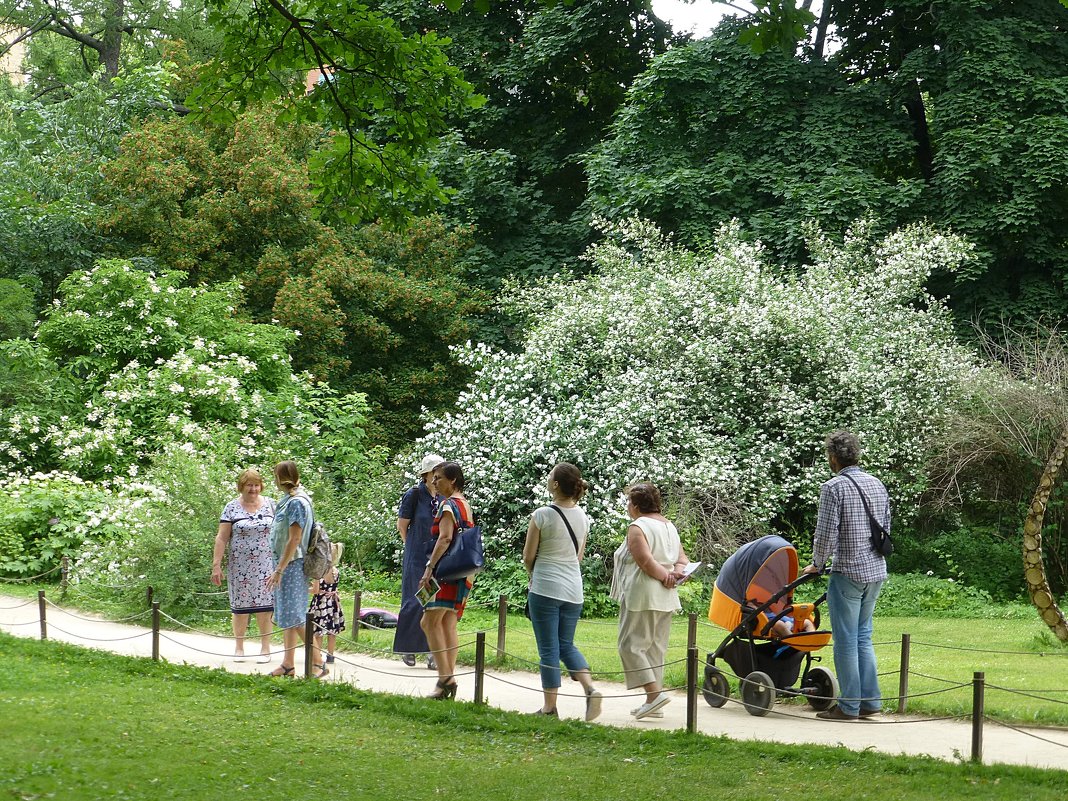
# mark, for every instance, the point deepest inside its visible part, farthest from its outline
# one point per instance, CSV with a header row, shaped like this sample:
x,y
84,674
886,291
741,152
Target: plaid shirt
x,y
843,534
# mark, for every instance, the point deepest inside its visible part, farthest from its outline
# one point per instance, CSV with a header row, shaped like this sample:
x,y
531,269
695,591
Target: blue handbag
x,y
464,557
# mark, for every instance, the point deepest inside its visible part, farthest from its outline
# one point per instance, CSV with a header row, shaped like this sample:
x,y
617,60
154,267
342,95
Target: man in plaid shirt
x,y
843,537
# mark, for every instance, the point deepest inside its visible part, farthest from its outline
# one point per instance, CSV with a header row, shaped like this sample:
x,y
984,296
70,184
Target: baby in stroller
x,y
770,635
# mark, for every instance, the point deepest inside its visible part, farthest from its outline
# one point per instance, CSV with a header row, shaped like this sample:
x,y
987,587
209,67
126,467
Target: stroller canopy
x,y
754,573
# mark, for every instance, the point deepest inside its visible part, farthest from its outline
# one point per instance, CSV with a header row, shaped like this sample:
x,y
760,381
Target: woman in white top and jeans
x,y
647,567
551,555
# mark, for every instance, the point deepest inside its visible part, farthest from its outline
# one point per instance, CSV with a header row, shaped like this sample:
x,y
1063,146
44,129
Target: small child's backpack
x,y
317,554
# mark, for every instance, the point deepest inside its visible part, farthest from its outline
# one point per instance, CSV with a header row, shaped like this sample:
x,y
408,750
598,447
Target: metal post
x,y
691,631
480,667
978,708
691,688
309,643
41,611
148,596
64,573
155,630
903,674
502,624
357,600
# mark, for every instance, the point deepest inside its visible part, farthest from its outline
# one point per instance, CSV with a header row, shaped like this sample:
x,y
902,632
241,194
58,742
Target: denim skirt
x,y
291,597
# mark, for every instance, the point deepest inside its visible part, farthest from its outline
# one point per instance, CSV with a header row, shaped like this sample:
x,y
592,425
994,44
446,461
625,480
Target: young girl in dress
x,y
326,610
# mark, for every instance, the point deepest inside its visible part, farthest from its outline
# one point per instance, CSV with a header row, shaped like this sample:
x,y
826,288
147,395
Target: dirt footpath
x,y
519,691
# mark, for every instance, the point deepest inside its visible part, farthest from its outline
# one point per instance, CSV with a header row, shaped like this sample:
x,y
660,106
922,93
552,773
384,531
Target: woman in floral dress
x,y
245,526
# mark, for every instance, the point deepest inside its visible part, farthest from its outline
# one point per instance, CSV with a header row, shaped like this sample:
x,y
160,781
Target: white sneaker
x,y
646,710
240,657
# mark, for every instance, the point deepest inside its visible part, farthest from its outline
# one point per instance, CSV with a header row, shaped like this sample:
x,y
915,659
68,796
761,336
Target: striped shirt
x,y
843,533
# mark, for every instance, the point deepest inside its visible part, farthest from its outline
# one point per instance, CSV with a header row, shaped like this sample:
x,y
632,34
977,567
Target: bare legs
x,y
240,627
439,625
549,693
263,623
290,639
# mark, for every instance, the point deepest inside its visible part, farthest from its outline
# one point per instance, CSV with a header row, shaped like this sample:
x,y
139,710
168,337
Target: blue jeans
x,y
554,623
851,605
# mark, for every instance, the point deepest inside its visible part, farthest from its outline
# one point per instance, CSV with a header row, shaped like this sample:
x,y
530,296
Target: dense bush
x,y
710,375
41,518
135,376
916,594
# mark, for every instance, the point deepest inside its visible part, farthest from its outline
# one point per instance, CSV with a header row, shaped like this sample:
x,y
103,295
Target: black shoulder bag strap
x,y
880,537
574,539
863,499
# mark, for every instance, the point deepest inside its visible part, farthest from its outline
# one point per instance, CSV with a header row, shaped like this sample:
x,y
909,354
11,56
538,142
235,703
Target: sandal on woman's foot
x,y
446,690
323,672
281,670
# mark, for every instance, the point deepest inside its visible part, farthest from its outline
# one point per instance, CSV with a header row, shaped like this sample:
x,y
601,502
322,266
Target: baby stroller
x,y
753,592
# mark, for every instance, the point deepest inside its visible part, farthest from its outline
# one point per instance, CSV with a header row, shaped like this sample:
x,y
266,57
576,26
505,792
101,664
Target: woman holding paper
x,y
648,566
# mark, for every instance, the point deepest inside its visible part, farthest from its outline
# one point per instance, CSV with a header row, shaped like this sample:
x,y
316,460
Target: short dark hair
x,y
453,472
645,497
844,447
570,480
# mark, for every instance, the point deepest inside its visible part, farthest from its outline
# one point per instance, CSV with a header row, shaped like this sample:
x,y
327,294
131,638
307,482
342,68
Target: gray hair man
x,y
843,538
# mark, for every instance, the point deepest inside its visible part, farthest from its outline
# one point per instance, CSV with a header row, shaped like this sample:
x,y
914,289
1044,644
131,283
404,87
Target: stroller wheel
x,y
715,689
820,687
758,693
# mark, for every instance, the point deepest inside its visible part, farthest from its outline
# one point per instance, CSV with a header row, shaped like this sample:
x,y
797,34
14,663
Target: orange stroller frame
x,y
754,591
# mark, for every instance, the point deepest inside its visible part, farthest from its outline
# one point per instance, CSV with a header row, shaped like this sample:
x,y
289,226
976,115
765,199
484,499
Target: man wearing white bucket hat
x,y
414,518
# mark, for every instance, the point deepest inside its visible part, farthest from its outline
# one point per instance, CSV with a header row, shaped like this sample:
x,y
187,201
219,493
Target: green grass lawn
x,y
80,724
944,652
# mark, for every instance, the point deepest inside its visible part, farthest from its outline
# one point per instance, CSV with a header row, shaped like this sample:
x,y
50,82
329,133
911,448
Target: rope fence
x,y
746,683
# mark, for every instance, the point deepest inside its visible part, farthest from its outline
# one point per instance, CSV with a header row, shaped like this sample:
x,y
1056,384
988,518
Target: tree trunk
x,y
1034,565
111,41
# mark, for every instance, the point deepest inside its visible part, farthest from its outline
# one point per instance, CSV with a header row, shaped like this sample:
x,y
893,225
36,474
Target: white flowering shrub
x,y
712,374
134,375
156,532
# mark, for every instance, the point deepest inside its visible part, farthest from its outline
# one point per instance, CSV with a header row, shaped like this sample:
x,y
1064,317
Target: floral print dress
x,y
326,606
250,561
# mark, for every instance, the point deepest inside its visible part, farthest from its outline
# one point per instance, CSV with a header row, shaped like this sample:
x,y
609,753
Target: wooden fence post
x,y
309,643
903,674
691,689
502,624
357,600
41,611
155,630
978,709
480,667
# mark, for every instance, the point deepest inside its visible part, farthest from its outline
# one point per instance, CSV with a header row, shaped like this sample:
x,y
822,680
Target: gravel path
x,y
520,691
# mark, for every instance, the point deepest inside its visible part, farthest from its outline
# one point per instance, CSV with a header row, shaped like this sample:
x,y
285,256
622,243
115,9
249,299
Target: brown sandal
x,y
324,671
282,670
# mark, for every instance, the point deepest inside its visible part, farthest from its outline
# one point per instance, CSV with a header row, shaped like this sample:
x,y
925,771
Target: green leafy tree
x,y
377,307
713,131
383,99
553,75
886,125
53,151
16,310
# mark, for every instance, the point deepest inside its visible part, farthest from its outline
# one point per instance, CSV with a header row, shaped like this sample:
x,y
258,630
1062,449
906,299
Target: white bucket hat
x,y
430,461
